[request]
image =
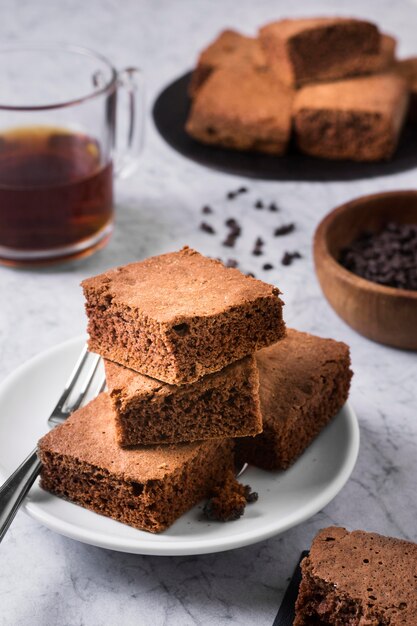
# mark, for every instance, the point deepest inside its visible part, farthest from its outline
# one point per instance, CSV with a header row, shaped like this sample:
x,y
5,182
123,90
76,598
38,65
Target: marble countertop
x,y
48,579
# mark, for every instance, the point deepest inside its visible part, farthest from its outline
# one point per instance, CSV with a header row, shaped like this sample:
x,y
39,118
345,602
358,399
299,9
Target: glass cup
x,y
58,150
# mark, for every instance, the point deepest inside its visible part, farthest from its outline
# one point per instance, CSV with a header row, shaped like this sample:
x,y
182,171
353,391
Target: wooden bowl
x,y
384,314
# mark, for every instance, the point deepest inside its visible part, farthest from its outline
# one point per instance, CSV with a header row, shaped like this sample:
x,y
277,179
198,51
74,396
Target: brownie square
x,y
304,381
229,49
147,488
316,49
407,68
358,578
358,119
180,316
219,405
242,109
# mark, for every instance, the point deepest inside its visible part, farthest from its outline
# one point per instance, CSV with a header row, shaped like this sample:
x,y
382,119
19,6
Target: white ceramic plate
x,y
288,498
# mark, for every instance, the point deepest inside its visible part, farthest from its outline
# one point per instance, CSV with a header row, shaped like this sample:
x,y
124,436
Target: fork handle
x,y
14,490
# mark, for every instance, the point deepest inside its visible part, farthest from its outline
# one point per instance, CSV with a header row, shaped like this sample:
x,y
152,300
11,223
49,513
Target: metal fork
x,y
16,487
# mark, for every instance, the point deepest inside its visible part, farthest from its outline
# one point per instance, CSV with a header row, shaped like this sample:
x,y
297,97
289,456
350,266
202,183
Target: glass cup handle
x,y
126,160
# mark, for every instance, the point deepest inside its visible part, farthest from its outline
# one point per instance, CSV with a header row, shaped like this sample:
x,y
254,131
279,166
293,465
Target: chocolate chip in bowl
x,y
366,262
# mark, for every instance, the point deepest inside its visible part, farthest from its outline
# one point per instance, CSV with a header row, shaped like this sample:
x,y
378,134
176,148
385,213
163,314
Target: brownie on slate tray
x,y
180,316
148,487
407,68
358,578
229,49
242,109
304,381
358,119
315,49
223,404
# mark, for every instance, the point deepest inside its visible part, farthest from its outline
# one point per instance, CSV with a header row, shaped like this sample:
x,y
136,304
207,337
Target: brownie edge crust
x,y
358,579
147,488
180,316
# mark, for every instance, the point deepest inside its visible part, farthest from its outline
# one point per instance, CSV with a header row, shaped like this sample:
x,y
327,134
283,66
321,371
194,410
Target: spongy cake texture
x,y
148,487
304,381
317,49
229,49
359,119
223,404
358,579
243,109
180,316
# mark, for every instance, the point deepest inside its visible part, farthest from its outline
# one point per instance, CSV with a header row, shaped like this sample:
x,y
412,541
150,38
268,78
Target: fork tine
x,y
86,385
69,385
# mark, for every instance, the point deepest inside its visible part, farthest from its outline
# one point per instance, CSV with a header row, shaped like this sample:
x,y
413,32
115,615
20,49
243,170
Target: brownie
x,y
223,404
407,68
358,119
229,49
358,578
180,316
304,381
316,49
148,487
242,109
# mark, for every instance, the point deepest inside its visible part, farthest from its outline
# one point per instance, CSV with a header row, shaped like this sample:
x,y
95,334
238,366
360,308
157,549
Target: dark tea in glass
x,y
58,151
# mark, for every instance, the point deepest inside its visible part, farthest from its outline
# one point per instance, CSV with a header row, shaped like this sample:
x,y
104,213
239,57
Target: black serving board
x,y
170,112
286,613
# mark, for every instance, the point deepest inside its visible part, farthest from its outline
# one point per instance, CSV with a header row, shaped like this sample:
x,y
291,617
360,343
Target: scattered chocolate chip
x,y
232,223
230,240
257,252
285,229
268,266
257,249
231,195
273,207
231,263
259,204
207,228
250,274
207,210
242,190
289,257
259,242
388,257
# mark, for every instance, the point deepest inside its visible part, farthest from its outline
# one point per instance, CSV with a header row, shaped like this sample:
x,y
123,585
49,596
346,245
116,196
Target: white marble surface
x,y
46,579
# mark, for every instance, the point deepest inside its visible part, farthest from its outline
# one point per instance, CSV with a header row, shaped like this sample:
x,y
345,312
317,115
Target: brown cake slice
x,y
242,109
319,49
304,381
407,68
223,404
180,316
358,119
358,578
229,49
148,487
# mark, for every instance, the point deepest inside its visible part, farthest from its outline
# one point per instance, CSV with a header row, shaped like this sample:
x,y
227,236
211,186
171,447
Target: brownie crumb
x,y
273,207
289,257
229,499
388,257
231,195
251,274
285,229
268,266
259,204
231,263
242,190
207,210
206,228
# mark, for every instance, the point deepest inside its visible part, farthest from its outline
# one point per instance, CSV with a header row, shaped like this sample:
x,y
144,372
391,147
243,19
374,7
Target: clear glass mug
x,y
58,150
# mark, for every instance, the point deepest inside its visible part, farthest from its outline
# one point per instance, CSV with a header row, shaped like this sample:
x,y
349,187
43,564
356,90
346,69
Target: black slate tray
x,y
170,112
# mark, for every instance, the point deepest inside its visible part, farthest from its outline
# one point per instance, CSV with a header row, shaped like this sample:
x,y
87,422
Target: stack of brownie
x,y
200,371
332,81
